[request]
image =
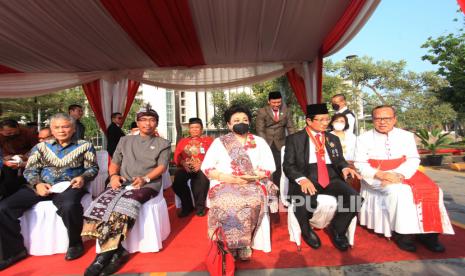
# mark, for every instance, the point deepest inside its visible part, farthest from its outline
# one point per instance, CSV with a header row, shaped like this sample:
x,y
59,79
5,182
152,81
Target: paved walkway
x,y
453,186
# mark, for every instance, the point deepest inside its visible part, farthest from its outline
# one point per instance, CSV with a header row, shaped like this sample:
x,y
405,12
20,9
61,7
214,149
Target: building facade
x,y
191,104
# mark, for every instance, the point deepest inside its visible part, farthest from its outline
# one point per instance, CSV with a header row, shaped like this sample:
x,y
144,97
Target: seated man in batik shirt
x,y
135,177
188,156
57,160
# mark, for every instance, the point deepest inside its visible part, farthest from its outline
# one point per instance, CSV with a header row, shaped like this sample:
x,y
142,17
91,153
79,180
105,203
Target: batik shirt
x,y
51,163
192,150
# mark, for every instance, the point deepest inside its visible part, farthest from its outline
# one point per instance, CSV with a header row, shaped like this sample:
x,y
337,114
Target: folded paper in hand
x,y
60,187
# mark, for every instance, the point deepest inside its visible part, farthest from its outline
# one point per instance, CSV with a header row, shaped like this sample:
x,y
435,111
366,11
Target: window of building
x,y
170,116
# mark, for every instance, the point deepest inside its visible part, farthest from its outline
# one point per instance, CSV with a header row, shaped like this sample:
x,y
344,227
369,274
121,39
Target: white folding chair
x,y
97,186
152,226
43,230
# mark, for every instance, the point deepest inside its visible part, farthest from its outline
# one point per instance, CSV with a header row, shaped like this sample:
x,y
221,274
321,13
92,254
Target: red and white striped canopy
x,y
49,45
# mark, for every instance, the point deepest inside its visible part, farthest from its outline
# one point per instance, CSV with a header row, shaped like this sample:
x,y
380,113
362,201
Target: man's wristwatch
x,y
146,179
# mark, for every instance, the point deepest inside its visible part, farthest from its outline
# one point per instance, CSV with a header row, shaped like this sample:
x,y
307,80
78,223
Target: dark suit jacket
x,y
114,133
296,158
80,130
273,131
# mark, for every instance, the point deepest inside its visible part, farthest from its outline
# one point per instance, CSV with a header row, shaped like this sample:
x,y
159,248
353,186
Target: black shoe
x,y
12,260
74,252
201,212
431,242
117,261
312,239
99,263
184,213
339,240
405,242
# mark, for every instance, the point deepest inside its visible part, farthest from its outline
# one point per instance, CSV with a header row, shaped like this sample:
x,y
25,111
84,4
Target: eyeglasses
x,y
381,119
322,120
150,120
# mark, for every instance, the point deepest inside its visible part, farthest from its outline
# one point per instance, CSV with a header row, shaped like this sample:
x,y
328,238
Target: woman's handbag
x,y
219,260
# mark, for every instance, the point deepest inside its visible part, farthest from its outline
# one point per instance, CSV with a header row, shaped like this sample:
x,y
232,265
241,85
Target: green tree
x,y
221,105
261,91
131,117
388,82
27,109
448,52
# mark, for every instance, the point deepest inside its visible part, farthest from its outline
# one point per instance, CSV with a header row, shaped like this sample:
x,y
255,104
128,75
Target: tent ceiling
x,y
50,45
83,35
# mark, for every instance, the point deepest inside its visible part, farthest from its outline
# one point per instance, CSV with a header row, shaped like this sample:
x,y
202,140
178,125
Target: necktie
x,y
276,115
323,177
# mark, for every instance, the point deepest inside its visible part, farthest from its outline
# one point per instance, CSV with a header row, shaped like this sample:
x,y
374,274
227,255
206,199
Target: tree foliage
x,y
222,104
26,110
256,100
448,52
388,82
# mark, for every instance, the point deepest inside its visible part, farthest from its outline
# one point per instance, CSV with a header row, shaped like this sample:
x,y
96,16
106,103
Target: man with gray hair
x,y
62,160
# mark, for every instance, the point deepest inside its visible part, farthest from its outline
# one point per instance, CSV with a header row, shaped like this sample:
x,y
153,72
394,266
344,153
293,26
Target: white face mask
x,y
339,126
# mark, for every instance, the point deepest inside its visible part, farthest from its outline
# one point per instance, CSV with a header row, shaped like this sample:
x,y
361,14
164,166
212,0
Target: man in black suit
x,y
114,132
314,164
76,112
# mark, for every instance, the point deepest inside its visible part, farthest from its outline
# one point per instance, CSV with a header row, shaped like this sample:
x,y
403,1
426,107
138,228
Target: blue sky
x,y
398,28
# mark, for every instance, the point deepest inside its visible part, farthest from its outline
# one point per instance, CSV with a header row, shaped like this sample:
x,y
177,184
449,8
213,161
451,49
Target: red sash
x,y
425,192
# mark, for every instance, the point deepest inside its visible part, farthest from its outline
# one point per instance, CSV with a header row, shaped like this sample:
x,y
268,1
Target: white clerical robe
x,y
391,208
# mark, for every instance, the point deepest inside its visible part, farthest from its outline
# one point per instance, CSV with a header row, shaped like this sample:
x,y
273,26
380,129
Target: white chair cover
x,y
321,218
151,227
97,186
43,229
166,180
262,238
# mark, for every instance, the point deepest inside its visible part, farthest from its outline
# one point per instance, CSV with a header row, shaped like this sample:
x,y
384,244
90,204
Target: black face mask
x,y
241,128
335,106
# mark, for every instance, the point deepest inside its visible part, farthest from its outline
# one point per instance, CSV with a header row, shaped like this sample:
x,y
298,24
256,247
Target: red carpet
x,y
186,247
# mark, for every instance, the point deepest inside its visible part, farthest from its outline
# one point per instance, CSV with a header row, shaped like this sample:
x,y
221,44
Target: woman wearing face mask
x,y
340,125
238,165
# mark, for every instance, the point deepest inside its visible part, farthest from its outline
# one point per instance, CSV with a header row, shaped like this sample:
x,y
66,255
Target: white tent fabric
x,y
35,84
114,94
214,77
256,31
359,22
65,36
241,42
